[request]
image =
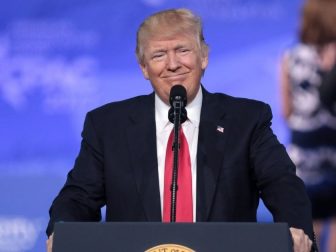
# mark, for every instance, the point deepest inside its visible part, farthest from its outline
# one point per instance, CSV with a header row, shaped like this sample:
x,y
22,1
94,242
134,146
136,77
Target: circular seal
x,y
169,248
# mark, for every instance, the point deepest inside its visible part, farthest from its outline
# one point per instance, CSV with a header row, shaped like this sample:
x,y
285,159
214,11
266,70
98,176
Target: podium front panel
x,y
200,237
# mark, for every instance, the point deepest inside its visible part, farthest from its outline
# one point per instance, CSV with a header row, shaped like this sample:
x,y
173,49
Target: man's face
x,y
171,61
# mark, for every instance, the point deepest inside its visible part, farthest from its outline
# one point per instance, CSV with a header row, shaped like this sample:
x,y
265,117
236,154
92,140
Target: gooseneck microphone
x,y
177,114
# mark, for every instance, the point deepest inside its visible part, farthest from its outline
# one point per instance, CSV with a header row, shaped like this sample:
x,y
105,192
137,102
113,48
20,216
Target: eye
x,y
183,50
158,55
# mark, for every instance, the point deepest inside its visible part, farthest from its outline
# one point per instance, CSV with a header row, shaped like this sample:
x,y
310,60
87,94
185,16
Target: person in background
x,y
231,156
313,128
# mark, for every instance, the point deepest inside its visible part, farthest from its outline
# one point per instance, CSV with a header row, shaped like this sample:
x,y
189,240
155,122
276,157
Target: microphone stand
x,y
177,106
177,114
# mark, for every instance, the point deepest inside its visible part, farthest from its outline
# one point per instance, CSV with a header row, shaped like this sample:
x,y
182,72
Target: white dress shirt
x,y
190,129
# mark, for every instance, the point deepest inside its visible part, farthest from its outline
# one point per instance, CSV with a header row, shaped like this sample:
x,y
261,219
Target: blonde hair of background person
x,y
318,30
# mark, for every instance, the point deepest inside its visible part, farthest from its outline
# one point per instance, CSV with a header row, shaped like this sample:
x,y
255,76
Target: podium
x,y
171,237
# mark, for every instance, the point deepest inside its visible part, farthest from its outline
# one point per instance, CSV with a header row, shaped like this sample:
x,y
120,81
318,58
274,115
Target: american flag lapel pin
x,y
220,129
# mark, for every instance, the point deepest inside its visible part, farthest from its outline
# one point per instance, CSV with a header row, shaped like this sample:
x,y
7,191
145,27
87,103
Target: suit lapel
x,y
210,153
141,139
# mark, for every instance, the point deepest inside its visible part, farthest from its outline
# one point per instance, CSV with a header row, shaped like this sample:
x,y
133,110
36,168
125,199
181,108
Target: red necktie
x,y
184,204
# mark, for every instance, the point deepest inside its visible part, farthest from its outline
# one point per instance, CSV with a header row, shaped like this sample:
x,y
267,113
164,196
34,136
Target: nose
x,y
173,62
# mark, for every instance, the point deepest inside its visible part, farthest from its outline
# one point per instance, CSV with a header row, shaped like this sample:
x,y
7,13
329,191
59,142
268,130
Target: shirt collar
x,y
193,111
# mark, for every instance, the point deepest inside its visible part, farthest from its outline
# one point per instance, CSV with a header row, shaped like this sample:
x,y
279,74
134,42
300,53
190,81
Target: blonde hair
x,y
167,23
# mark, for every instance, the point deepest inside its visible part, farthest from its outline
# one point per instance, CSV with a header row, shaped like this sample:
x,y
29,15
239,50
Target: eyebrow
x,y
159,50
179,46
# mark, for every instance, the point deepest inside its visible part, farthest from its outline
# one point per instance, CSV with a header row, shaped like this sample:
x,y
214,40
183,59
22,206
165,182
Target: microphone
x,y
178,101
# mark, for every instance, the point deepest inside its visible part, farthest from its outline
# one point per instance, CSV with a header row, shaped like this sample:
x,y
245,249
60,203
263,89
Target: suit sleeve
x,y
82,196
282,191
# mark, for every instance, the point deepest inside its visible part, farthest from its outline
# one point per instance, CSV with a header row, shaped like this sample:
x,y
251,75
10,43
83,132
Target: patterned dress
x,y
313,131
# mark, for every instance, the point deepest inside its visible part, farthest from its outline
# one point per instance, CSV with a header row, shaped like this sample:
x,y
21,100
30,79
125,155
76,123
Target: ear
x,y
205,61
204,56
144,70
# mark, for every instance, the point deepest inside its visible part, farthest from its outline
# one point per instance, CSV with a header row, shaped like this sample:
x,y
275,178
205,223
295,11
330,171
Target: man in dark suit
x,y
234,156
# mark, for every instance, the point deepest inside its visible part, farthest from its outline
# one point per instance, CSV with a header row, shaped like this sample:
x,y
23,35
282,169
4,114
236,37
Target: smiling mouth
x,y
176,76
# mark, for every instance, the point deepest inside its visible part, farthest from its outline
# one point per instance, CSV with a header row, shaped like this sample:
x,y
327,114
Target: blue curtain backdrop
x,y
61,58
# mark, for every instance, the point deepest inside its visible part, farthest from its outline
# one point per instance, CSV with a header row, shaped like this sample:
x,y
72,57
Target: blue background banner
x,y
61,58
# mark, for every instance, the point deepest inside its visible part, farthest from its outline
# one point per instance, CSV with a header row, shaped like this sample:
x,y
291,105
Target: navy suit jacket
x,y
117,166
